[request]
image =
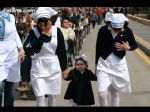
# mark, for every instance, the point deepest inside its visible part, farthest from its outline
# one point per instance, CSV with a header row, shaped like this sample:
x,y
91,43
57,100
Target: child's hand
x,y
64,74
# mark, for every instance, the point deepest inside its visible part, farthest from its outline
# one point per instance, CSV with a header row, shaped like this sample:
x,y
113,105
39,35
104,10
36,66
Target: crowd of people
x,y
49,42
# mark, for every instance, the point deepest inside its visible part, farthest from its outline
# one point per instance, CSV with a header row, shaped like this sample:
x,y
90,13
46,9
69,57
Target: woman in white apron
x,y
11,53
111,66
49,61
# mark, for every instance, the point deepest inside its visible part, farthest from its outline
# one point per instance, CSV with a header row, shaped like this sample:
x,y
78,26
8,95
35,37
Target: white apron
x,y
113,71
9,64
45,70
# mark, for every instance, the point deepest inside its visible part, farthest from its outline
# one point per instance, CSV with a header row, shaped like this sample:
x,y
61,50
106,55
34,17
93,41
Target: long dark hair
x,y
45,20
54,18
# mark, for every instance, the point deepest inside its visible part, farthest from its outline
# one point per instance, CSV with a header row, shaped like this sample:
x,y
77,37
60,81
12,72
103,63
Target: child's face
x,y
80,65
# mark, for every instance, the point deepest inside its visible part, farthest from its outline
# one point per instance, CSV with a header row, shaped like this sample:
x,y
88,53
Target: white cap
x,y
117,20
46,12
83,56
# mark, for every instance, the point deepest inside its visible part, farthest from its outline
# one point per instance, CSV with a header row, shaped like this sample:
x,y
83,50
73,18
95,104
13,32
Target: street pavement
x,y
140,29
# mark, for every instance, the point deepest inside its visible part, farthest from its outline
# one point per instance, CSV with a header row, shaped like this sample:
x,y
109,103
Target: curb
x,y
143,45
140,20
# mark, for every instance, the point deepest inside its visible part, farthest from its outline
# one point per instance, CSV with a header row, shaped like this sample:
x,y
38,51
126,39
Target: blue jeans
x,y
8,88
99,20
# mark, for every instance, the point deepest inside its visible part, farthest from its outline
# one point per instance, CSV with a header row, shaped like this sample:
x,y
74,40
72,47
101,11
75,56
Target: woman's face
x,y
65,23
40,24
80,65
117,29
44,26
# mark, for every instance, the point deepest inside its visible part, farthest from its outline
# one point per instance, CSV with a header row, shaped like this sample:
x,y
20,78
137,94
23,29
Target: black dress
x,y
80,88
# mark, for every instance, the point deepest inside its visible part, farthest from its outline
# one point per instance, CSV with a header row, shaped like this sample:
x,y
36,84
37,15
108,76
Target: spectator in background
x,y
93,19
69,37
99,13
23,85
21,28
28,21
122,10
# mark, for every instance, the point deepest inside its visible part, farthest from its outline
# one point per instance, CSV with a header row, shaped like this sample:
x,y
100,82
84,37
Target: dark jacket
x,y
79,88
105,42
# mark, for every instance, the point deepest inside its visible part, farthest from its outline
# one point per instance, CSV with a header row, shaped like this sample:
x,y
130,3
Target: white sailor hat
x,y
41,12
117,20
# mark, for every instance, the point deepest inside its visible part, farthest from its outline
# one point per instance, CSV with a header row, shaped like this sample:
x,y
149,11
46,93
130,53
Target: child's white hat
x,y
83,57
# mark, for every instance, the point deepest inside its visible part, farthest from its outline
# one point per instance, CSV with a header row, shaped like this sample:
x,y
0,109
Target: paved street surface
x,y
139,74
141,30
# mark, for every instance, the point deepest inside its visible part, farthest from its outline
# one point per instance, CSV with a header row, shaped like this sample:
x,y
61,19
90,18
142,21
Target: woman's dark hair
x,y
107,22
45,20
126,24
53,19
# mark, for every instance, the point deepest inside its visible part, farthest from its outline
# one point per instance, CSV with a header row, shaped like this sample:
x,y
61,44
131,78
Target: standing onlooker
x,y
99,13
69,37
11,54
26,64
79,91
28,21
49,61
113,41
93,19
122,10
21,28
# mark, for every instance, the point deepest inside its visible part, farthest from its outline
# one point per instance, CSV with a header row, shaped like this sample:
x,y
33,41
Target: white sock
x,y
71,102
103,98
114,97
40,101
51,100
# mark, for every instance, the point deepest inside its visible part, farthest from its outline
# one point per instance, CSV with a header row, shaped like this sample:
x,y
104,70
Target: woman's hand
x,y
21,55
122,47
